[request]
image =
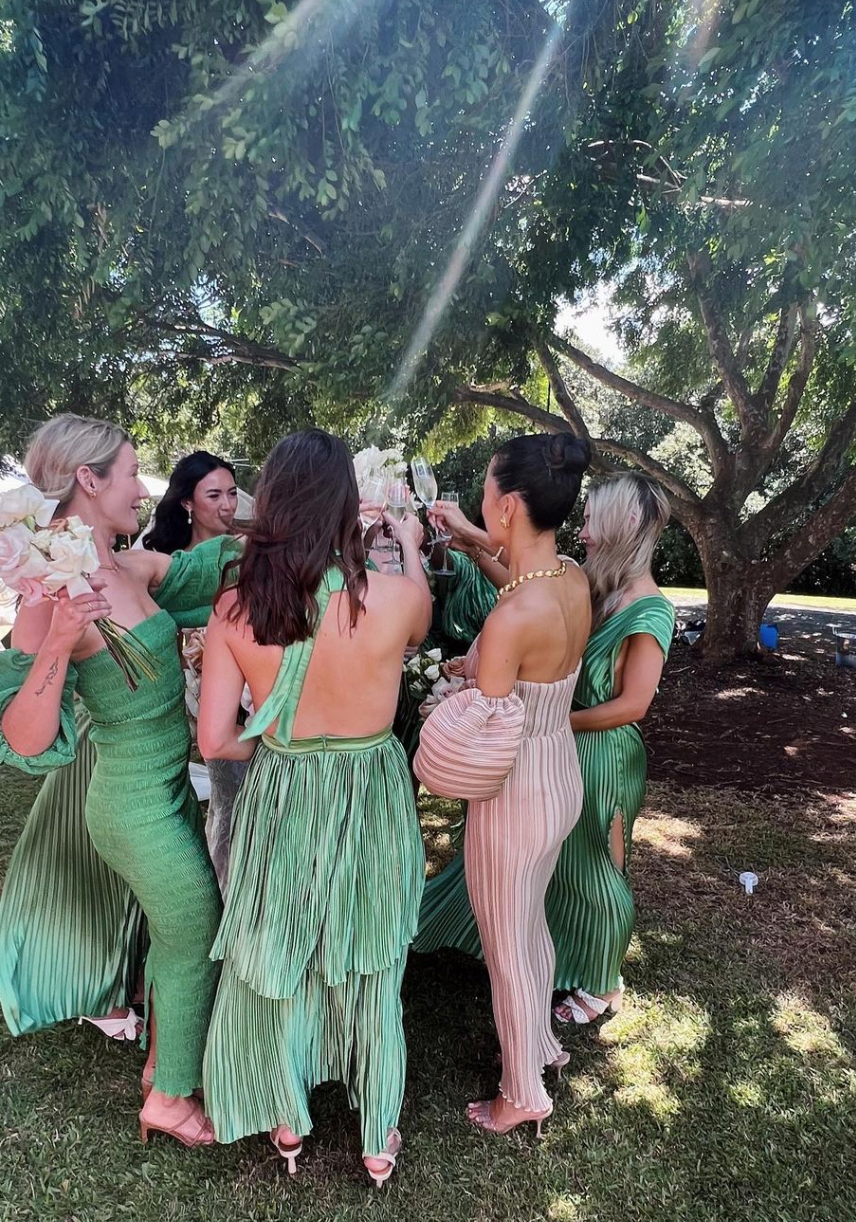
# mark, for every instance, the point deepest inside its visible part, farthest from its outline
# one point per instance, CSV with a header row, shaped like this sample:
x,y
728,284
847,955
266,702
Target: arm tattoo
x,y
53,671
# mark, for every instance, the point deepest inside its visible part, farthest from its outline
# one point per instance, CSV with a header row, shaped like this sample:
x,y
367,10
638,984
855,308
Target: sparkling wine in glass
x,y
396,506
372,498
444,536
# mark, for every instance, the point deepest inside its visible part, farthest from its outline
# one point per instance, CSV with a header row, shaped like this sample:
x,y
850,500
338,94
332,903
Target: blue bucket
x,y
768,635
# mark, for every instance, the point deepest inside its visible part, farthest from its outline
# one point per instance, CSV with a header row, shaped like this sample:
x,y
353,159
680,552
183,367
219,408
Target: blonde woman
x,y
589,903
141,815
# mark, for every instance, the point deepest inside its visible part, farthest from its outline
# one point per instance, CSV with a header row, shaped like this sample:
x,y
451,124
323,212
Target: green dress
x,y
144,823
589,902
325,877
72,937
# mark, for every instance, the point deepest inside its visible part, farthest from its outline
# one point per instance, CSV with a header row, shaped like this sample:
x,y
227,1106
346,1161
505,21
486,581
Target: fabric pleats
x,y
521,750
72,936
589,902
326,877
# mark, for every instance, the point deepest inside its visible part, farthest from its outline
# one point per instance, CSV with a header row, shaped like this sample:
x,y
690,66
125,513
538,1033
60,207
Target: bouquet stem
x,y
133,658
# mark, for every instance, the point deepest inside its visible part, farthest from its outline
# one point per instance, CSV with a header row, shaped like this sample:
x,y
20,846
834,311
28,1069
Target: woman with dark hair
x,y
506,745
327,865
200,503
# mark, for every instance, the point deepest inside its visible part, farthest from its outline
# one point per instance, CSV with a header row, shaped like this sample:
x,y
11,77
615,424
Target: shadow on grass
x,y
724,1090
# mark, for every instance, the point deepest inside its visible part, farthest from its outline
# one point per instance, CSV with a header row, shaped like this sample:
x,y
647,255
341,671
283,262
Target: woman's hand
x,y
408,531
451,520
72,616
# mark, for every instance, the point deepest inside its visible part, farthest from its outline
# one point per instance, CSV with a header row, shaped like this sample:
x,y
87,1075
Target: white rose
x,y
414,665
15,543
25,502
436,655
71,560
432,672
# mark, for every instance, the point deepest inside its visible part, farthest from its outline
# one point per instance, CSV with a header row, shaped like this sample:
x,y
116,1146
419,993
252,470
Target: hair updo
x,y
546,470
62,445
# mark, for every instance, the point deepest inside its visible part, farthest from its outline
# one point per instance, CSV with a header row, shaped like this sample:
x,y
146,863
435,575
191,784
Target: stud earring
x,y
503,521
93,494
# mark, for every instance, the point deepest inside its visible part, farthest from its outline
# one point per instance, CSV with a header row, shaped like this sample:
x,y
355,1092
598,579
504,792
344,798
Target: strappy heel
x,y
193,1129
388,1155
482,1118
289,1150
578,1015
121,1027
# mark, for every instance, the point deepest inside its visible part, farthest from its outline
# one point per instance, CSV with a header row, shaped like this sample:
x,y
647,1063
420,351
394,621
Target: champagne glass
x,y
396,506
373,498
444,536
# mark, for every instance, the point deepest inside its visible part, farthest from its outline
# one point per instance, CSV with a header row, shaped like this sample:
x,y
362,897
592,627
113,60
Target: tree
x,y
241,204
736,285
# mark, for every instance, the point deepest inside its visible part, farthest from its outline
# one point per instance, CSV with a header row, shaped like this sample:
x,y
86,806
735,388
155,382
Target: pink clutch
x,y
468,745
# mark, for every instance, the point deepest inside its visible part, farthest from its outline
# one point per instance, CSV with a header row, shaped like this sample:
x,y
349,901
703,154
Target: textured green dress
x,y
145,825
589,902
325,877
72,937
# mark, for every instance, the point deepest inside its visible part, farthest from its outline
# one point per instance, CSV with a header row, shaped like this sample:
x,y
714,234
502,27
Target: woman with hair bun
x,y
505,744
589,902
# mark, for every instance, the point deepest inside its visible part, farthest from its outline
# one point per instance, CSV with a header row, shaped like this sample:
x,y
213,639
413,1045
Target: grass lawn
x,y
812,601
726,1089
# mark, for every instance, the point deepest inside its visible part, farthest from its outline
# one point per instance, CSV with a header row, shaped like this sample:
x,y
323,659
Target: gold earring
x,y
92,493
503,521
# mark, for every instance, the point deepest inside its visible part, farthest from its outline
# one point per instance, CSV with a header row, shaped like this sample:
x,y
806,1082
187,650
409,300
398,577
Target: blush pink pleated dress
x,y
514,759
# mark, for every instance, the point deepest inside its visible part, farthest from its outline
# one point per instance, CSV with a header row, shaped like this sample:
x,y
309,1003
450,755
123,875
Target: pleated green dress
x,y
145,826
325,878
589,901
72,937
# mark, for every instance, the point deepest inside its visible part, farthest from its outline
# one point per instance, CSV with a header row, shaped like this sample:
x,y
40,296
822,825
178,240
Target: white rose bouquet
x,y
39,557
372,461
422,671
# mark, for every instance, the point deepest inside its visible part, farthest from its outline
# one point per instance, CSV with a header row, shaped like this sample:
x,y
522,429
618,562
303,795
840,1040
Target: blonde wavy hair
x,y
627,514
61,446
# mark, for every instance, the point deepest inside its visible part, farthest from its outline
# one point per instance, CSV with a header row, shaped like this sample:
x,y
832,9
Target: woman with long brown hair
x,y
327,865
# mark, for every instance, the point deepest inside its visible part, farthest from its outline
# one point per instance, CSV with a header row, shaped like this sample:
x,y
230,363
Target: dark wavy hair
x,y
547,472
172,531
307,520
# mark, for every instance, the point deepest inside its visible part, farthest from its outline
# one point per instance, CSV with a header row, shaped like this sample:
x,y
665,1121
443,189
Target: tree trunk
x,y
738,592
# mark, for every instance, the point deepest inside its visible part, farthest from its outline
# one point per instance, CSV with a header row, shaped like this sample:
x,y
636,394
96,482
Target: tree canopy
x,y
373,211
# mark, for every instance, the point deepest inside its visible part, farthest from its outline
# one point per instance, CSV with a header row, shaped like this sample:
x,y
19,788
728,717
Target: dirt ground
x,y
781,723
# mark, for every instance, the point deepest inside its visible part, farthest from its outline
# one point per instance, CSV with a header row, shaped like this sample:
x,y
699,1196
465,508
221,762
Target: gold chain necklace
x,y
518,581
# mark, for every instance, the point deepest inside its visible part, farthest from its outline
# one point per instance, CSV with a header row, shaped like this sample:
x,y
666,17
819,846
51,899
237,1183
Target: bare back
x,y
537,633
351,686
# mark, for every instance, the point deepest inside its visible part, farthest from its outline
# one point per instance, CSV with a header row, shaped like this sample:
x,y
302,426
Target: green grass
x,y
725,1090
816,602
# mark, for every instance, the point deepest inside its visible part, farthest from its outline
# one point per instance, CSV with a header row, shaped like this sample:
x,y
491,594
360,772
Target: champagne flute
x,y
372,498
444,535
396,507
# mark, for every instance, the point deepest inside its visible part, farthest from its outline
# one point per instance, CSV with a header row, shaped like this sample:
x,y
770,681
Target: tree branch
x,y
702,421
225,346
765,396
808,487
796,388
681,491
822,527
563,396
549,421
722,354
